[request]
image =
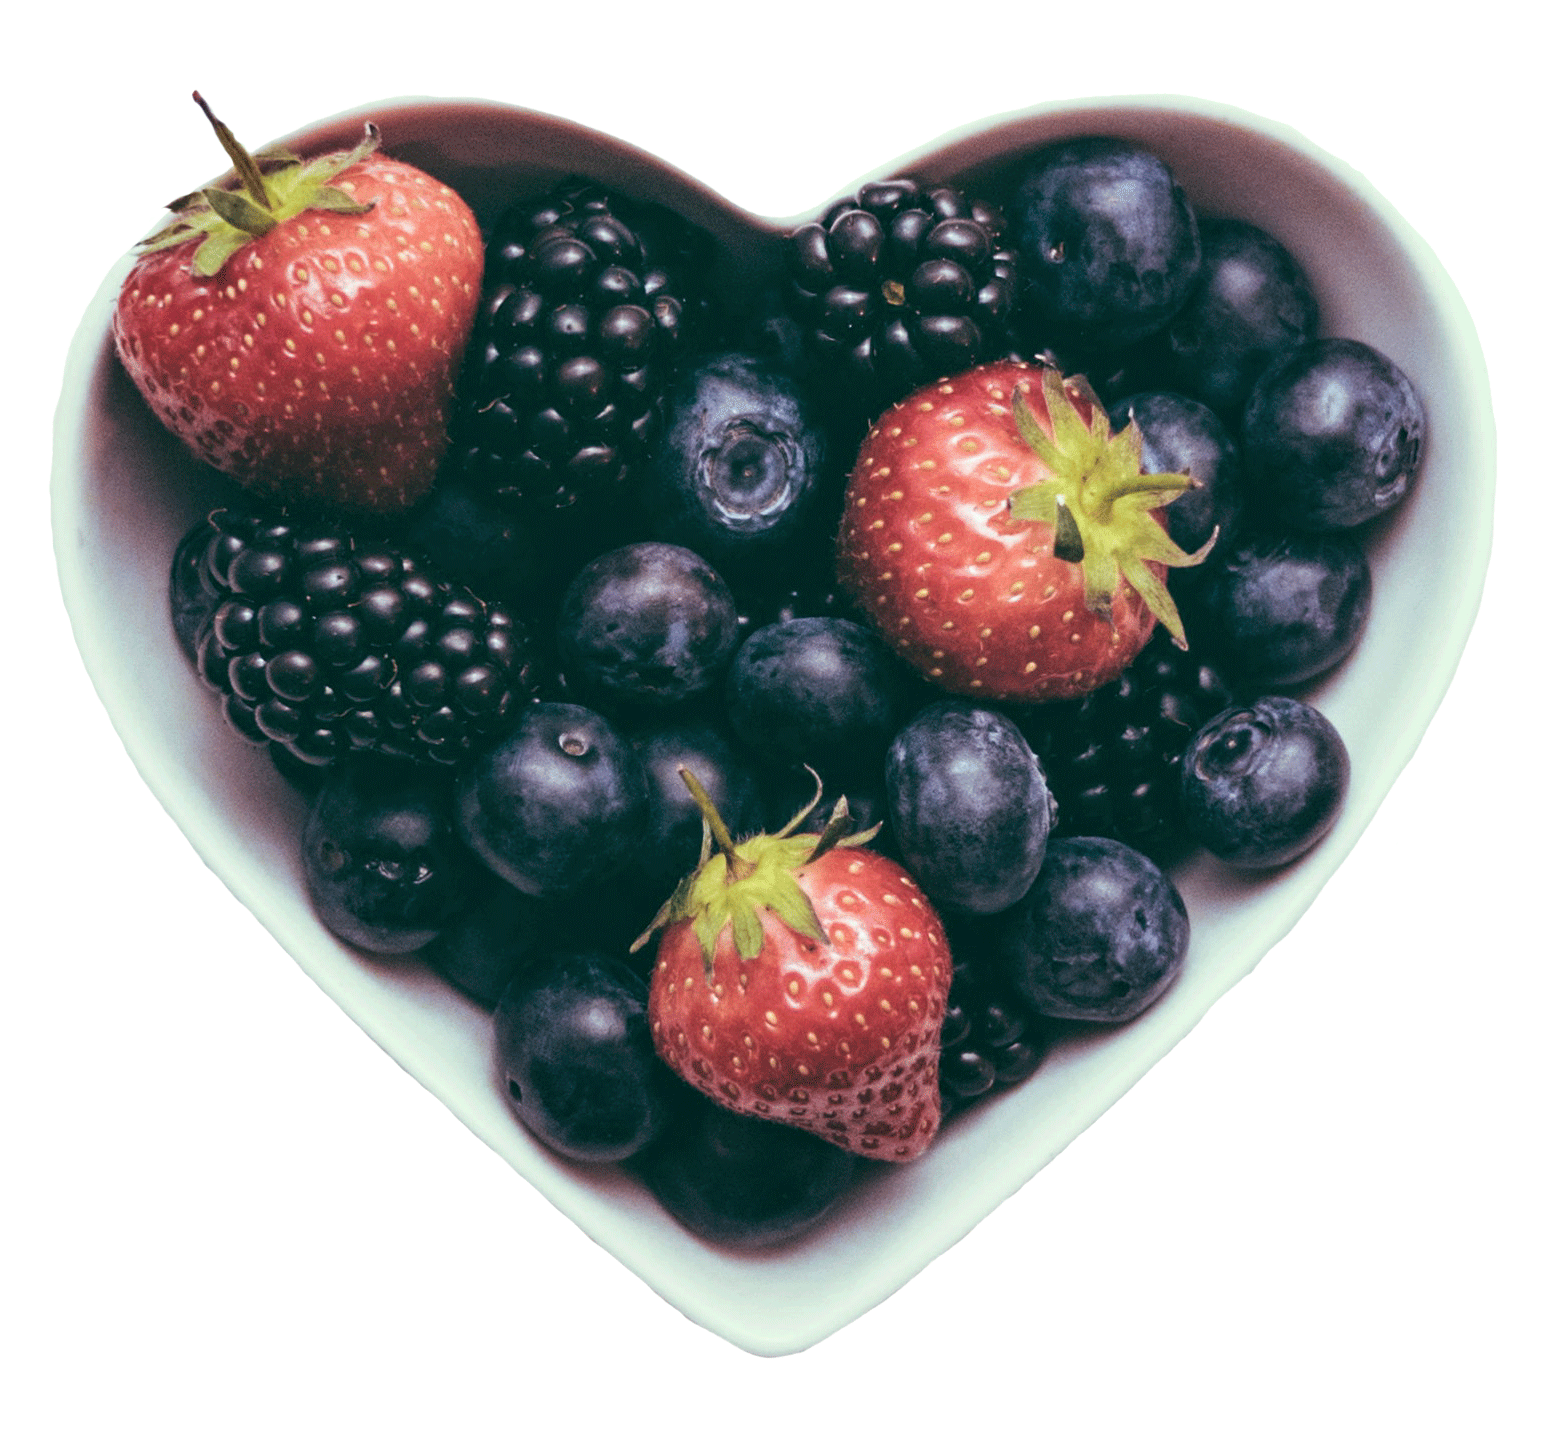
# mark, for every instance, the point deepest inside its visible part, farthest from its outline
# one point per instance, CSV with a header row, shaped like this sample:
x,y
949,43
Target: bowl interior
x,y
124,492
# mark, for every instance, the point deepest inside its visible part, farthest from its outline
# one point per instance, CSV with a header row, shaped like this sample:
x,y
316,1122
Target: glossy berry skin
x,y
318,363
991,1038
191,598
742,1183
1278,610
575,1057
381,857
1251,304
1334,434
671,846
822,691
970,808
1262,784
558,804
1101,935
972,598
647,625
1182,435
836,1037
739,468
1108,241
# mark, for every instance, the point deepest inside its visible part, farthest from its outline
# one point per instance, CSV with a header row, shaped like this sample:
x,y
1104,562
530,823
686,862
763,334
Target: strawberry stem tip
x,y
1097,501
736,883
260,192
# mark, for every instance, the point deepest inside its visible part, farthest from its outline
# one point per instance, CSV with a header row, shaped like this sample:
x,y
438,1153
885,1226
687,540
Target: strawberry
x,y
1004,541
802,978
300,325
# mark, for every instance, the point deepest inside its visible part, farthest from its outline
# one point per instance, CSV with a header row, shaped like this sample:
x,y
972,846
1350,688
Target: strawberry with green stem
x,y
299,324
802,978
1004,541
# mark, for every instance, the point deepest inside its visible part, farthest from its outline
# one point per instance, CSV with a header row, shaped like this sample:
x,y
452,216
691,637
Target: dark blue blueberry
x,y
1180,435
1251,304
381,856
739,471
1280,610
969,804
1333,435
741,1182
574,1053
1100,936
469,537
822,691
481,949
1262,784
671,846
1108,244
558,804
648,625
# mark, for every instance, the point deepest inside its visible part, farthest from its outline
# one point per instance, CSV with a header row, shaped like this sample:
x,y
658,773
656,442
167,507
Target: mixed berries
x,y
782,707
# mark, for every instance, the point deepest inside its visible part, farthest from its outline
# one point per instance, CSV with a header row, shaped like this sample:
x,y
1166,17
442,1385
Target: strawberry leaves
x,y
257,194
1097,501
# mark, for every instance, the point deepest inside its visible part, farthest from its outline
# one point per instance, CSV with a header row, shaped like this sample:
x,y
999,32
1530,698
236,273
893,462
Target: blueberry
x,y
671,845
574,1051
470,538
1333,435
559,803
1251,304
649,624
1280,610
1262,784
1108,241
823,691
381,856
1182,435
1100,936
741,1182
480,950
740,467
969,804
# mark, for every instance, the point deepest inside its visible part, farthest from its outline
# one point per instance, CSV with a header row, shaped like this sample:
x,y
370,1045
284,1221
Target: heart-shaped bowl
x,y
124,492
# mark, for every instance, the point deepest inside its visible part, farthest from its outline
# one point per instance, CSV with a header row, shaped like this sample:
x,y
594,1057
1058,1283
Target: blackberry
x,y
324,644
991,1037
584,307
1112,757
902,284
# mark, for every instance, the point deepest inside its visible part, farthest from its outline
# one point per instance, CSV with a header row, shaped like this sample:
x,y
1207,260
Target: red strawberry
x,y
802,978
300,325
1003,541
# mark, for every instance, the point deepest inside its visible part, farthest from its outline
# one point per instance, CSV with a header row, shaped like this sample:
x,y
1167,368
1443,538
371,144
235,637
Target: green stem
x,y
242,161
738,867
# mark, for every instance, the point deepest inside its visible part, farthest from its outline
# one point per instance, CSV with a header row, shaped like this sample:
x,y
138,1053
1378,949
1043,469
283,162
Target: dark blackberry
x,y
991,1037
325,643
584,307
902,284
1112,757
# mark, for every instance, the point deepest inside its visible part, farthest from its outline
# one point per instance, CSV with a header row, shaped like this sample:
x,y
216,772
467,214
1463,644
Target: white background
x,y
226,1210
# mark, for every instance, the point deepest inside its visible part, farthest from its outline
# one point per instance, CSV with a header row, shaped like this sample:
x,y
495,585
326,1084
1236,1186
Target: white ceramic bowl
x,y
124,492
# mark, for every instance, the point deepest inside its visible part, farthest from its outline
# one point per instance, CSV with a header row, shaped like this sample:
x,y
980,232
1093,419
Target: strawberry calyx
x,y
260,191
737,881
1097,501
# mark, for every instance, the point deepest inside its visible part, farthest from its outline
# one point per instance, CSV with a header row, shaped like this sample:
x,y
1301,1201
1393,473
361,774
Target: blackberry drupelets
x,y
584,311
991,1037
901,284
1112,758
325,643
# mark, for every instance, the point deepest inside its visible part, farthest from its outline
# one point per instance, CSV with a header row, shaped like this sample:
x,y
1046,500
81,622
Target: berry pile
x,y
783,787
